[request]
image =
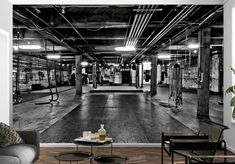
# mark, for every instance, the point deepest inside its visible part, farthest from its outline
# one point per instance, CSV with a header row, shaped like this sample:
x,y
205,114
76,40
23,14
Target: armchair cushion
x,y
9,136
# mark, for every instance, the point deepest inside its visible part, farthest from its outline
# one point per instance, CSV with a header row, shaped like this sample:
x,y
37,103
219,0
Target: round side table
x,y
73,156
110,159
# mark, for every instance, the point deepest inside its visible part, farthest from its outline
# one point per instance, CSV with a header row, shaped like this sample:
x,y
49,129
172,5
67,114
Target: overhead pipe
x,y
148,45
144,24
179,36
141,18
129,22
37,26
169,26
208,17
51,27
157,26
133,26
180,16
63,16
140,24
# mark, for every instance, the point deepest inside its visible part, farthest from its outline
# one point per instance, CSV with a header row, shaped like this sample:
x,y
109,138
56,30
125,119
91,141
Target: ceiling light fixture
x,y
84,63
30,47
127,48
164,56
193,46
53,56
16,48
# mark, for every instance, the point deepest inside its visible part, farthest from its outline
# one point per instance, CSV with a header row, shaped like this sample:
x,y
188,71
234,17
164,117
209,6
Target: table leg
x,y
111,149
91,160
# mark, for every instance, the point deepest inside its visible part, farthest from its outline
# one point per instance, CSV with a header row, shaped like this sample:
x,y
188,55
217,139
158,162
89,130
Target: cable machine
x,y
49,79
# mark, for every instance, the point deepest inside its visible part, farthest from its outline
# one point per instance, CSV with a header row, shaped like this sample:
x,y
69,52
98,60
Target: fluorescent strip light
x,y
53,56
193,46
164,56
125,48
30,47
84,63
16,48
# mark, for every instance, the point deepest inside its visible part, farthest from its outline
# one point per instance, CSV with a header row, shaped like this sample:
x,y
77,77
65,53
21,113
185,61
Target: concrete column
x,y
141,75
137,81
94,75
153,85
204,72
78,77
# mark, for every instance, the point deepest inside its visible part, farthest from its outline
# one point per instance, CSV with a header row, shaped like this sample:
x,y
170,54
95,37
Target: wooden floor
x,y
136,155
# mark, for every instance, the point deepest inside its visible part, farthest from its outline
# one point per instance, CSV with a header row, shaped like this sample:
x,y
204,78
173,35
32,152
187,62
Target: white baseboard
x,y
114,145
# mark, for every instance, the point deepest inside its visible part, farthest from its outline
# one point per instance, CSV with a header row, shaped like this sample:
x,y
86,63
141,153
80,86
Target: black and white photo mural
x,y
139,70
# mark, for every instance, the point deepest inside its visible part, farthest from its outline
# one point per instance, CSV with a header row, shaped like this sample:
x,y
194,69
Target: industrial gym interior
x,y
138,69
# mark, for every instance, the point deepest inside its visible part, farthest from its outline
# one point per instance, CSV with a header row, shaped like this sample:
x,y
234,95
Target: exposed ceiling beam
x,y
118,2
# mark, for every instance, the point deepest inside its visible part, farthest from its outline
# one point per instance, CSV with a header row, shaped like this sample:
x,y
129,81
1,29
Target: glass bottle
x,y
102,132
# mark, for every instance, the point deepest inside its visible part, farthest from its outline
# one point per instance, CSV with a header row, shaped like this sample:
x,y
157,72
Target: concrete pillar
x,y
78,77
153,85
137,81
94,75
204,72
141,75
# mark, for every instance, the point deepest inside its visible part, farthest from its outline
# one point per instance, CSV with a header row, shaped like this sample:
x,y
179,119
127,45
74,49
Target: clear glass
x,y
102,133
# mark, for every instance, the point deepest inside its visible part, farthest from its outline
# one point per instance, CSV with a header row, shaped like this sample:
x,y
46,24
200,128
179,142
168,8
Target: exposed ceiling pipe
x,y
42,31
63,16
133,26
50,33
129,22
144,24
141,18
173,25
158,25
179,17
140,22
208,17
180,36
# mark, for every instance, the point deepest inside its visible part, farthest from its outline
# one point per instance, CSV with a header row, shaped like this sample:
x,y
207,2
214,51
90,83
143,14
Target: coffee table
x,y
73,156
102,159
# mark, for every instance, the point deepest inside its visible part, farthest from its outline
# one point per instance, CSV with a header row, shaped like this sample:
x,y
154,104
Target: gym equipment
x,y
175,75
49,80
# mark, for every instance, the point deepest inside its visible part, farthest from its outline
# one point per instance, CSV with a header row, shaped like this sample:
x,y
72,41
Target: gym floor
x,y
129,117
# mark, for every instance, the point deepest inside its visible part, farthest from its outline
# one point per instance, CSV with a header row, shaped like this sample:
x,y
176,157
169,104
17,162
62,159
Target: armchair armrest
x,y
192,144
31,137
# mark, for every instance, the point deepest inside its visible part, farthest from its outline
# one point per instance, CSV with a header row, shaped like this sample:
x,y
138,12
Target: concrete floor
x,y
129,117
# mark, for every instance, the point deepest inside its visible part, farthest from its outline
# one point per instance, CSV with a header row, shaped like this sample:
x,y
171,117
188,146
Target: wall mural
x,y
118,61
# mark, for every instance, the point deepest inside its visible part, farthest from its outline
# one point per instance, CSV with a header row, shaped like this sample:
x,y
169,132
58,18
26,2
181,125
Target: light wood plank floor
x,y
136,155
